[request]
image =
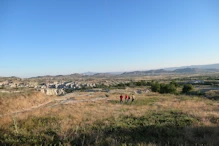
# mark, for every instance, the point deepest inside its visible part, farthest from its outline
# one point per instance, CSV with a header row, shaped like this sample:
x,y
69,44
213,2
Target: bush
x,y
187,88
120,85
163,88
127,84
149,83
171,88
155,87
167,88
174,83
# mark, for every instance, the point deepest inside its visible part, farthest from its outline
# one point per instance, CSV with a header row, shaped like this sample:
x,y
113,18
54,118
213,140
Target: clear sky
x,y
41,37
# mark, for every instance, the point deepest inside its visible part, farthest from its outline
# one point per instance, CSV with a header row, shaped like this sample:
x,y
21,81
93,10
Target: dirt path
x,y
67,99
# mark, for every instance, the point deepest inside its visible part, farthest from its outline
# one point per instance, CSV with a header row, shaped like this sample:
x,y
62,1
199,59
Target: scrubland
x,y
152,119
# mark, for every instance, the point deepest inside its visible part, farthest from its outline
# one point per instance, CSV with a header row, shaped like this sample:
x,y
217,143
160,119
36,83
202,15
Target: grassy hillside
x,y
15,101
152,119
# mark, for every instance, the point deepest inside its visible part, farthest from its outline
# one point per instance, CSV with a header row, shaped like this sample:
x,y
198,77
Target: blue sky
x,y
53,37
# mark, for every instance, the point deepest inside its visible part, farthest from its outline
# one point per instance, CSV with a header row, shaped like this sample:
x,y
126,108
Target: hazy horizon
x,y
63,37
166,68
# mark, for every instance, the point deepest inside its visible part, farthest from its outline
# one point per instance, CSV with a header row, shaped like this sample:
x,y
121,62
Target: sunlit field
x,y
98,118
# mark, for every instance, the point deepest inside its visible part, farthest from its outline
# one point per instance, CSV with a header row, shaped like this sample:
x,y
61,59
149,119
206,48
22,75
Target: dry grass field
x,y
97,118
10,102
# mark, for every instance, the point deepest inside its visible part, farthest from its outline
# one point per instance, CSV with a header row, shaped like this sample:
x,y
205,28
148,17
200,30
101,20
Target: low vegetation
x,y
176,112
152,119
14,101
187,88
164,88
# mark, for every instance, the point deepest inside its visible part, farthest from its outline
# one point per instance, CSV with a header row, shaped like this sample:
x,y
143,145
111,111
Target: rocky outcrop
x,y
49,91
13,85
142,91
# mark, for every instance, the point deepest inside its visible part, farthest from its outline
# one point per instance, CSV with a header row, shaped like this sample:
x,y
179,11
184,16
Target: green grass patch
x,y
32,131
146,101
159,128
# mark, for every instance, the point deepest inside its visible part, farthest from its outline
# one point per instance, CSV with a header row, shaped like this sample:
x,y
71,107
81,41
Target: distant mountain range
x,y
75,75
193,69
176,71
208,66
183,69
89,73
96,73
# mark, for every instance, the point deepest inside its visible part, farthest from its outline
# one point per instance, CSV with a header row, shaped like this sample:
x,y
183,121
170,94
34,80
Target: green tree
x,y
149,83
163,88
138,84
187,88
143,83
155,87
171,88
167,88
127,84
174,83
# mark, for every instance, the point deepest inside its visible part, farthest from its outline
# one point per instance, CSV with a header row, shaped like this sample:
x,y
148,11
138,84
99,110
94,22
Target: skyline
x,y
53,37
120,72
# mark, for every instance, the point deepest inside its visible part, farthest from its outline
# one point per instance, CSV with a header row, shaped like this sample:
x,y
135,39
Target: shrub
x,y
167,88
174,83
120,85
155,87
127,84
163,88
149,83
171,88
187,88
142,83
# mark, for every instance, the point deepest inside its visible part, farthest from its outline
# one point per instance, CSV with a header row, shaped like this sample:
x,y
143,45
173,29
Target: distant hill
x,y
208,66
159,71
95,73
114,73
176,71
89,73
188,70
103,75
75,75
